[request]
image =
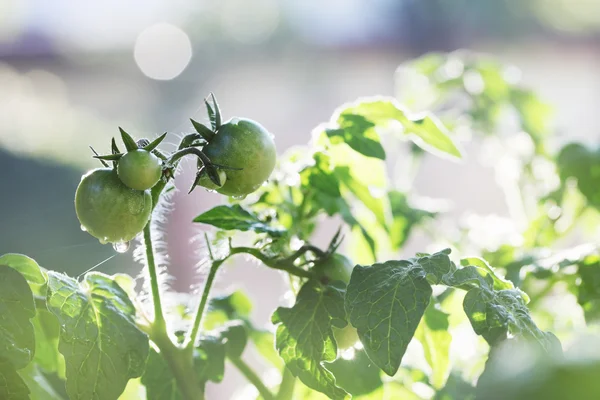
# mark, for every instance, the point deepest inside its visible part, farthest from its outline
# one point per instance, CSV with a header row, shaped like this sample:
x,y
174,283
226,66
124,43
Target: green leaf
x,y
130,144
159,380
499,282
436,266
358,375
235,217
47,331
30,269
154,144
206,133
209,358
39,387
425,130
588,286
101,344
17,340
362,193
305,338
12,386
435,338
264,342
405,218
358,133
385,303
235,334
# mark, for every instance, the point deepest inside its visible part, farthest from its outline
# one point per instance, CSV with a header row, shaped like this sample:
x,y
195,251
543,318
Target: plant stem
x,y
252,378
159,319
286,389
191,339
275,264
181,365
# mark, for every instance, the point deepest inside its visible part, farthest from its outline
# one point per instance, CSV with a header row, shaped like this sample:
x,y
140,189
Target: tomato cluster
x,y
235,159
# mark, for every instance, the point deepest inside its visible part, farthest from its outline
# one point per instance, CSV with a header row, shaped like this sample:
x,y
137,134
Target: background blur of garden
x,y
72,71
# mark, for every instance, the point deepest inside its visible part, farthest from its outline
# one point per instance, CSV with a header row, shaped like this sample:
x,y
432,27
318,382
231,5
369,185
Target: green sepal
x,y
206,133
130,144
154,144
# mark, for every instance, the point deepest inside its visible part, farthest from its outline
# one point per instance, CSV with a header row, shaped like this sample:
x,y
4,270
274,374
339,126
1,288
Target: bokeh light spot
x,y
162,51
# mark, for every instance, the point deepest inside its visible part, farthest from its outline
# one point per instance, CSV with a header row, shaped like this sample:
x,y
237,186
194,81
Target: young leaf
x,y
12,386
206,133
30,270
101,344
235,334
154,144
17,340
209,358
235,218
425,130
305,338
435,338
130,144
385,303
358,133
362,193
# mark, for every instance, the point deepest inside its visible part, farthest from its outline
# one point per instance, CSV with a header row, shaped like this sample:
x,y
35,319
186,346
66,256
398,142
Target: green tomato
x,y
139,169
345,337
109,210
245,144
338,268
207,183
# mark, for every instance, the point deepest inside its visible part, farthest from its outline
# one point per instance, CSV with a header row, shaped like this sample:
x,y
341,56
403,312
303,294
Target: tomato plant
x,y
482,313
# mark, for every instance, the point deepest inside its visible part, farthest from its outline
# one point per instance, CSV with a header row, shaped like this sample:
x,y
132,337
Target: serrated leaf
x,y
17,339
425,130
29,268
305,338
101,344
435,338
159,380
206,133
154,144
385,303
358,376
437,265
128,141
12,386
499,282
235,217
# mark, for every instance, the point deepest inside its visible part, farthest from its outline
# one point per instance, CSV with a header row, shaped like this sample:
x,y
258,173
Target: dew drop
x,y
103,240
121,247
210,190
83,228
242,197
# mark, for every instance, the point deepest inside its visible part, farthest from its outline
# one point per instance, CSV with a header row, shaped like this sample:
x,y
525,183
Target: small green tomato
x,y
139,169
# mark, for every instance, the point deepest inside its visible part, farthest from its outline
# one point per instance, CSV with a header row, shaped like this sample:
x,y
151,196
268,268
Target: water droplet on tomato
x,y
103,240
83,228
121,247
210,190
242,197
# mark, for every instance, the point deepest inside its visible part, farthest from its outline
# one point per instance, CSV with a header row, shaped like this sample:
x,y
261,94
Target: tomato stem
x,y
286,389
159,318
253,378
191,339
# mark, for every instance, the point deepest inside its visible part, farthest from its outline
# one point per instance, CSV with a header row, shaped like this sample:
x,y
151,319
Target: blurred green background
x,y
71,72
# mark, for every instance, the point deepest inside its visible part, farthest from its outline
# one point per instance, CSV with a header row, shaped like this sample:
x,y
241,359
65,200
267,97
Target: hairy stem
x,y
159,318
191,339
286,389
253,378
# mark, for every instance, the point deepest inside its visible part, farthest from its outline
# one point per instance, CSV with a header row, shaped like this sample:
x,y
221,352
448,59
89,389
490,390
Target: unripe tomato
x,y
109,210
245,144
338,268
139,169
